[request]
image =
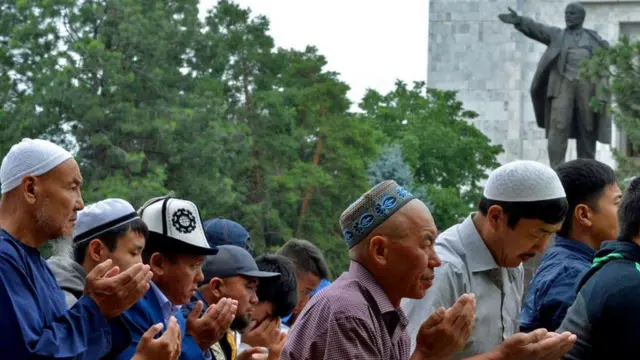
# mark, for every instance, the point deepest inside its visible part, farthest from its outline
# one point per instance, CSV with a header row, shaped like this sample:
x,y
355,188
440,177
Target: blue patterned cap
x,y
371,210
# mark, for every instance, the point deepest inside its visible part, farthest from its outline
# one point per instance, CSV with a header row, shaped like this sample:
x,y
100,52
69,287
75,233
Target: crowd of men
x,y
158,283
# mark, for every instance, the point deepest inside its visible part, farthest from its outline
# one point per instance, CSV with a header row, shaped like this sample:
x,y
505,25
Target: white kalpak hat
x,y
175,227
100,217
523,181
30,157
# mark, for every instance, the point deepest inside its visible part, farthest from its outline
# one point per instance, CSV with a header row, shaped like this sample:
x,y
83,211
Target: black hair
x,y
306,257
281,291
110,238
629,211
584,182
550,211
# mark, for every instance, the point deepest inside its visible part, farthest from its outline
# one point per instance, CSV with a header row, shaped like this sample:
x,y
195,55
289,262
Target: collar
x,y
366,279
165,304
477,254
575,247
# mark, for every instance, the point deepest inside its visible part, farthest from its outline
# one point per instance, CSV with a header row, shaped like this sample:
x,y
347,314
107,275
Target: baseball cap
x,y
231,261
221,231
175,227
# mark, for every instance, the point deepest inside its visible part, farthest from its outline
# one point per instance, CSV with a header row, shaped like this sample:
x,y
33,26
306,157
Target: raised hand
x,y
275,349
511,18
446,332
263,334
536,345
211,327
115,292
166,347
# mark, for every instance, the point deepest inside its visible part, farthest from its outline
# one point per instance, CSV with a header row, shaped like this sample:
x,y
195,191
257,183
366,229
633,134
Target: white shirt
x,y
468,267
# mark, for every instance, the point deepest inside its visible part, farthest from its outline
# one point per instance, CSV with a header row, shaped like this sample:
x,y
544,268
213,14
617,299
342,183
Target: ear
x,y
29,188
95,250
582,215
496,217
379,249
217,287
157,263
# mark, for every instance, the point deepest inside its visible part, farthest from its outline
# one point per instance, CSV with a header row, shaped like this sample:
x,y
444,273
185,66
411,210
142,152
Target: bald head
x,y
412,218
574,15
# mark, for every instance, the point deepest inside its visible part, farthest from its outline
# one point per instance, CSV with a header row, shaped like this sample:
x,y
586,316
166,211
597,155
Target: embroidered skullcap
x,y
30,157
100,217
371,210
175,227
523,181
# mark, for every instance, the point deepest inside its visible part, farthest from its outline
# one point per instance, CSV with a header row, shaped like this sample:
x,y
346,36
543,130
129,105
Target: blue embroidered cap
x,y
371,210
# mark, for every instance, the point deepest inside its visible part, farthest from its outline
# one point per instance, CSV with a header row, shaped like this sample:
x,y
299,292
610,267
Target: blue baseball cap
x,y
221,231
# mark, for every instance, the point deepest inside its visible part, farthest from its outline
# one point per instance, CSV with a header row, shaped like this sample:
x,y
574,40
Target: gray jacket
x,y
70,276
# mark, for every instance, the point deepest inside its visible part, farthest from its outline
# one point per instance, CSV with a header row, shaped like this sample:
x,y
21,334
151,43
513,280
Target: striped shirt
x,y
351,319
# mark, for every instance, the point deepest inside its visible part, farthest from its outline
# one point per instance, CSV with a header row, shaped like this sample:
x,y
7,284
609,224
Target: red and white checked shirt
x,y
351,319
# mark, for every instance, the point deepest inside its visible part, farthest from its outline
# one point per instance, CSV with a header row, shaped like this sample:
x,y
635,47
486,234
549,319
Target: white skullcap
x,y
522,181
30,157
101,217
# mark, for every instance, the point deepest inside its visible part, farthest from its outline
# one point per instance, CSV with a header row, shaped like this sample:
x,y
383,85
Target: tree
x,y
446,153
391,166
619,65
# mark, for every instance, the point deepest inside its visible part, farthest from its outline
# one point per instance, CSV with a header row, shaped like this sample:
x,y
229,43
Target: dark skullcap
x,y
371,210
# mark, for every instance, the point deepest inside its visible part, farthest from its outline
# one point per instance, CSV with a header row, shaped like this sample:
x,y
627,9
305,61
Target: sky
x,y
371,43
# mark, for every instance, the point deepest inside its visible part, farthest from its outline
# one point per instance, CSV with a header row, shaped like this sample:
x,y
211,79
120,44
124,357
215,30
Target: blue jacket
x,y
606,314
553,287
146,313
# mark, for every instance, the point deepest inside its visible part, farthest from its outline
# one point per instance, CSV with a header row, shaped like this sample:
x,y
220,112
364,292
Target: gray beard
x,y
63,247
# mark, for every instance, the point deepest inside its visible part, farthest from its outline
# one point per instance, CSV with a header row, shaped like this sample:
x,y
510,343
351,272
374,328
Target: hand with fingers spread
x,y
209,328
536,345
262,334
275,349
166,347
115,292
446,332
511,18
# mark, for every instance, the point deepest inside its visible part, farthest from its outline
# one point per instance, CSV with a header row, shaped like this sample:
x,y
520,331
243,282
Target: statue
x,y
561,100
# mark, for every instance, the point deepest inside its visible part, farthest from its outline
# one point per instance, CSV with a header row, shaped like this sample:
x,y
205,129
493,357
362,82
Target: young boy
x,y
108,229
310,268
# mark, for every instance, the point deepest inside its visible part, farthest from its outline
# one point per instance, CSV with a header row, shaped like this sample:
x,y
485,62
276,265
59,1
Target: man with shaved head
x,y
390,235
40,198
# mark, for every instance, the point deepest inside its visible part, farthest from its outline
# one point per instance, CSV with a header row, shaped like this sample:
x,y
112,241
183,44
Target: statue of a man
x,y
561,100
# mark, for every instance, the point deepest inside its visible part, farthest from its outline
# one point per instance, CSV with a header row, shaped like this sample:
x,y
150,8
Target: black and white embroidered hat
x,y
175,227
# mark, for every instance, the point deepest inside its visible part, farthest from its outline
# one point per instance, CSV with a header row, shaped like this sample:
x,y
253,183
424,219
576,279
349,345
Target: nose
x,y
434,259
79,205
199,275
253,299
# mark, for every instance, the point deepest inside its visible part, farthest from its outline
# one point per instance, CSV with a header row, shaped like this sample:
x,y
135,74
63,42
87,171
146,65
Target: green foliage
x,y
154,99
447,155
617,70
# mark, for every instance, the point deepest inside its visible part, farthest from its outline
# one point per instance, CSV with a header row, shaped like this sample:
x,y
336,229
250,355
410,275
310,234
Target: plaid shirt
x,y
351,319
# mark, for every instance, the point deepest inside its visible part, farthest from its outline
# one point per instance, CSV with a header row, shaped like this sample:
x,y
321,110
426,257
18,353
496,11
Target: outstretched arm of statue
x,y
530,28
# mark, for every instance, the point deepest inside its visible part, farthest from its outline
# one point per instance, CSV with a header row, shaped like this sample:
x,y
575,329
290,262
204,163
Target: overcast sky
x,y
369,42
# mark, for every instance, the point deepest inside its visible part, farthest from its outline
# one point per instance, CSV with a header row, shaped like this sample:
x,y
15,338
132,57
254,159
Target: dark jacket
x,y
606,314
553,288
556,53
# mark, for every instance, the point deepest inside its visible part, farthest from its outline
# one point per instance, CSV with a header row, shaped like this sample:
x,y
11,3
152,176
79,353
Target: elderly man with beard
x,y
234,274
41,195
